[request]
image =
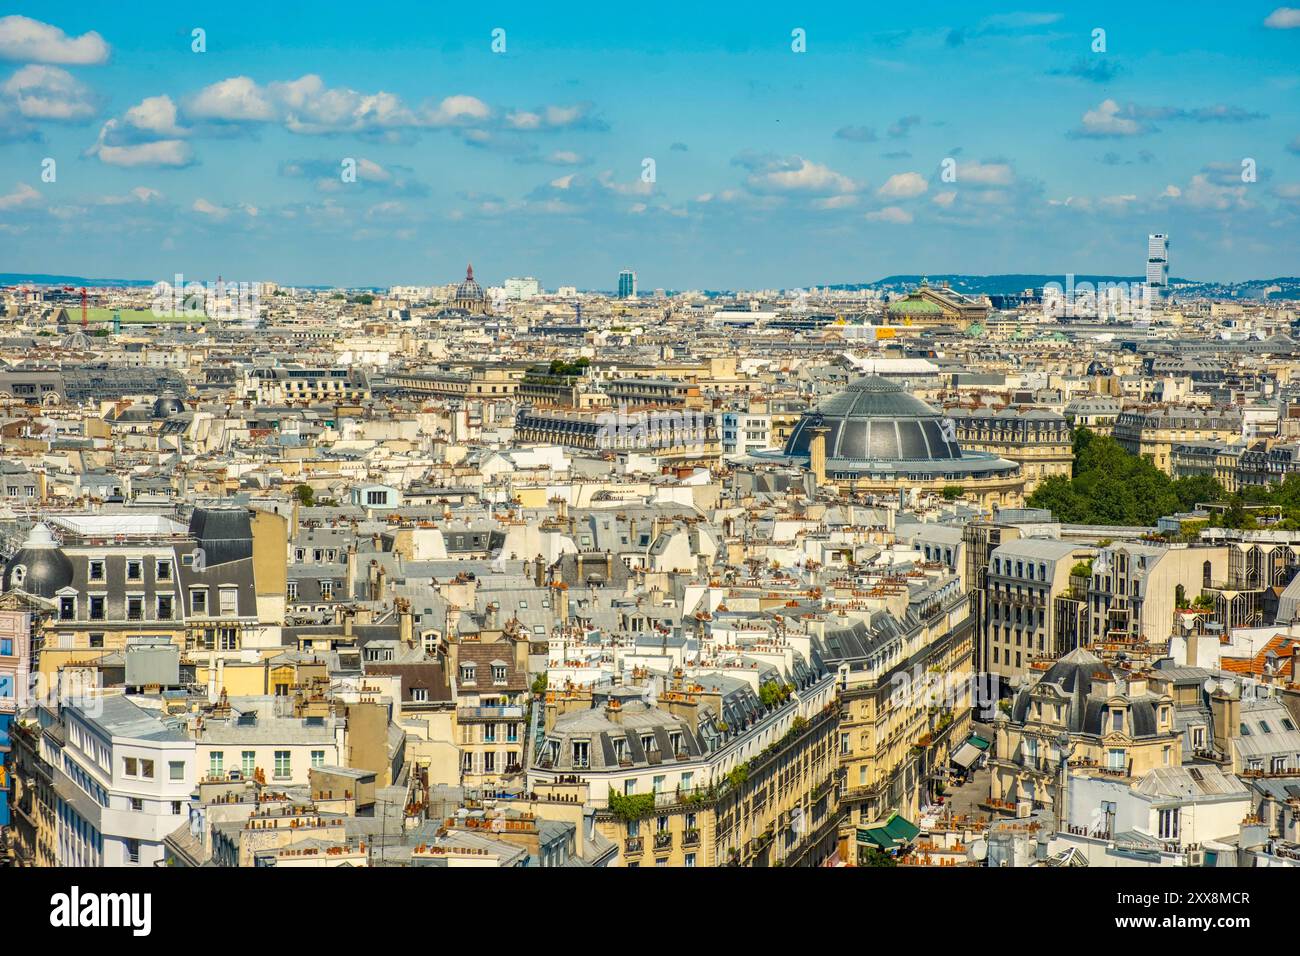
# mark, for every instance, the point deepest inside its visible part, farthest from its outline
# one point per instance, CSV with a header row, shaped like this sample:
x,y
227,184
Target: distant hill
x,y
36,278
1012,283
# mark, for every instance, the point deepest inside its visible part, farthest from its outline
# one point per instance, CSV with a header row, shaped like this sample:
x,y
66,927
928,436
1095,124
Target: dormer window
x,y
498,673
467,673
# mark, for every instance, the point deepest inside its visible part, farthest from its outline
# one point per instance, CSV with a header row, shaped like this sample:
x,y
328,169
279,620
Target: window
x,y
327,590
248,763
135,608
163,571
97,608
690,859
498,673
198,601
67,608
376,497
135,570
164,607
216,763
292,591
130,767
229,602
1169,824
176,769
133,851
489,761
580,749
489,733
318,758
419,694
137,805
96,572
282,769
177,808
146,769
467,673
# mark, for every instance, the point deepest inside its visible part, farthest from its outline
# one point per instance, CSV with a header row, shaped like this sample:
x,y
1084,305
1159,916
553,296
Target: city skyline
x,y
338,149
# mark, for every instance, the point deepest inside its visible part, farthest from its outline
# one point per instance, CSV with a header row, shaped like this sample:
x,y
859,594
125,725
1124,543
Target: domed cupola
x,y
470,295
39,567
166,405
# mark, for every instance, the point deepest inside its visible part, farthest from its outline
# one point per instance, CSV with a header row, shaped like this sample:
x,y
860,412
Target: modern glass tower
x,y
627,284
1157,264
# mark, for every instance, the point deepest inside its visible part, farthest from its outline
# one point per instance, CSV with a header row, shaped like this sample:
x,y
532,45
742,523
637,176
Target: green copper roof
x,y
915,306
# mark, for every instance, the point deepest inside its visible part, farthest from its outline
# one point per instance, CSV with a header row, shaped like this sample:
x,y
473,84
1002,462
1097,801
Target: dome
x,y
38,567
166,405
469,290
875,419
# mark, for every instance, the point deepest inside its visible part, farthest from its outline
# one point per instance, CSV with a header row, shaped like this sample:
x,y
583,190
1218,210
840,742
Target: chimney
x,y
348,614
405,623
539,572
817,454
1225,709
351,577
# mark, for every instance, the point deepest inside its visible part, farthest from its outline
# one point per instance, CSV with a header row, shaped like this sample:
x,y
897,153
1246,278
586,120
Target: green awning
x,y
978,741
892,833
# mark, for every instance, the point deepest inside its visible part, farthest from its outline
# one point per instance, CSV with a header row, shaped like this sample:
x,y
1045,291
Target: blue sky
x,y
772,168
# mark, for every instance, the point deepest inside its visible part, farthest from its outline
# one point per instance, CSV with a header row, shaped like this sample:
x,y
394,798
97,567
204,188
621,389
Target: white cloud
x,y
205,208
234,99
1106,120
49,93
306,105
984,174
163,152
21,196
903,186
891,214
1283,18
155,114
945,199
32,41
799,175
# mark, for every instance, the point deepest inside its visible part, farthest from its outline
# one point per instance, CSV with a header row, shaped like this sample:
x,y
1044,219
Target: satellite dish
x,y
978,851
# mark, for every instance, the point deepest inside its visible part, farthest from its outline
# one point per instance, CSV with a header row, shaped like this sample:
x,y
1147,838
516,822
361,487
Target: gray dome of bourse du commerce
x,y
39,567
875,427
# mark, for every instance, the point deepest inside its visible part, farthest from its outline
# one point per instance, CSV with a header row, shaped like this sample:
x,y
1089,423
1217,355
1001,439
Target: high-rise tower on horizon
x,y
1157,264
627,284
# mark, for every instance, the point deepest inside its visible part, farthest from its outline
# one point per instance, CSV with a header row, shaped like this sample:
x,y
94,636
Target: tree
x,y
305,494
870,856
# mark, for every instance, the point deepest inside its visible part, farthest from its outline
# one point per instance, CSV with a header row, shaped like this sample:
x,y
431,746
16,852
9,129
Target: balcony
x,y
490,713
691,838
633,846
663,841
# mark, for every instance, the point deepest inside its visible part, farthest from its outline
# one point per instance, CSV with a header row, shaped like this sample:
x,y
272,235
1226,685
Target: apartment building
x,y
122,779
1022,618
